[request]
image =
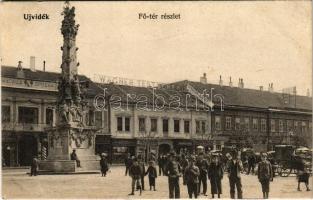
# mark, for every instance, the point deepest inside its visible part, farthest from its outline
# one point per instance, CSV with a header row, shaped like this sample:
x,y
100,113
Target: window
x,y
119,124
165,125
187,126
6,113
296,126
273,125
98,119
154,125
303,127
255,124
289,125
142,125
203,127
237,123
263,125
246,124
28,115
310,127
228,123
281,126
127,124
176,125
91,118
217,123
49,116
198,127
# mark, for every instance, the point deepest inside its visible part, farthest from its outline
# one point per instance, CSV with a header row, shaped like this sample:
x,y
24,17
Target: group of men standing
x,y
196,171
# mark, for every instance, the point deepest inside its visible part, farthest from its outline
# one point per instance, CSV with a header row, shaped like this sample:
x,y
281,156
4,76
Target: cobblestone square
x,y
17,184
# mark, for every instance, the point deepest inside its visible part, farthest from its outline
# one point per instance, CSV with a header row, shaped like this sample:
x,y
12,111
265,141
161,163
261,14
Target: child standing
x,y
152,174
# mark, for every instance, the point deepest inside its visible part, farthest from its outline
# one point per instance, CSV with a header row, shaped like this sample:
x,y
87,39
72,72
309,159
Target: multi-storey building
x,y
143,120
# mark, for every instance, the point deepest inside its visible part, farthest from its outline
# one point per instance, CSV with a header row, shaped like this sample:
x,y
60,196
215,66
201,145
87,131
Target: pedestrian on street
x,y
135,173
152,174
183,164
75,157
251,163
265,175
160,163
216,175
234,168
141,164
173,171
34,167
191,178
128,163
203,166
104,165
303,175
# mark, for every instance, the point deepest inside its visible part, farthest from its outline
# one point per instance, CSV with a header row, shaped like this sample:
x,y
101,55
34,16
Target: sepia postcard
x,y
156,99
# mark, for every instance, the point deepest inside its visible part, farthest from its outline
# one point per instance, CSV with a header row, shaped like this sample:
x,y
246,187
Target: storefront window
x,y
217,123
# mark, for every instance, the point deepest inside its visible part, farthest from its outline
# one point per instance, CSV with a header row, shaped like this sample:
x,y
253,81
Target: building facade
x,y
146,121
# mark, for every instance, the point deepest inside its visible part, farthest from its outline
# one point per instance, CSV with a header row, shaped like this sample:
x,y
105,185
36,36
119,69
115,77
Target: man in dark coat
x,y
104,165
128,163
234,168
143,169
152,174
265,175
251,163
216,176
160,163
34,167
75,157
173,171
135,173
191,178
203,166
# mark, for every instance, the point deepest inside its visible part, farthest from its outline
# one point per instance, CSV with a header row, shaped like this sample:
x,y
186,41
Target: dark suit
x,y
234,167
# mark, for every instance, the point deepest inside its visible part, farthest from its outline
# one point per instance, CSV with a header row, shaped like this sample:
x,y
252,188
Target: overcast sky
x,y
261,42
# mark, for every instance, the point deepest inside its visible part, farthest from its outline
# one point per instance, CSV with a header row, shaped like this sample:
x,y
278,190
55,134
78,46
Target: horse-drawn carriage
x,y
287,160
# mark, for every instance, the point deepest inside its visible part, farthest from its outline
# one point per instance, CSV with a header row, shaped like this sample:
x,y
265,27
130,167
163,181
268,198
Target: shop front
x,y
183,146
104,145
120,149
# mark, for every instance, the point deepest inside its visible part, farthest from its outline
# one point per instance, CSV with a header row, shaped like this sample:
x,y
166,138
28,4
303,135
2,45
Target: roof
x,y
45,76
234,96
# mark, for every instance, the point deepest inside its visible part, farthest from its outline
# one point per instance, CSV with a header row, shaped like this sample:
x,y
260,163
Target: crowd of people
x,y
196,171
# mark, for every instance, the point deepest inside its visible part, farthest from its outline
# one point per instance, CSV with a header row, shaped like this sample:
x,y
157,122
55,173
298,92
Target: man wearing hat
x,y
191,177
234,168
104,164
135,173
216,175
265,174
173,171
75,157
203,166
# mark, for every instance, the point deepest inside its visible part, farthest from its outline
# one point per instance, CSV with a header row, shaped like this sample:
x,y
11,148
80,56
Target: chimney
x,y
221,81
20,72
308,93
240,83
32,64
203,79
270,87
230,83
44,65
261,88
19,66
